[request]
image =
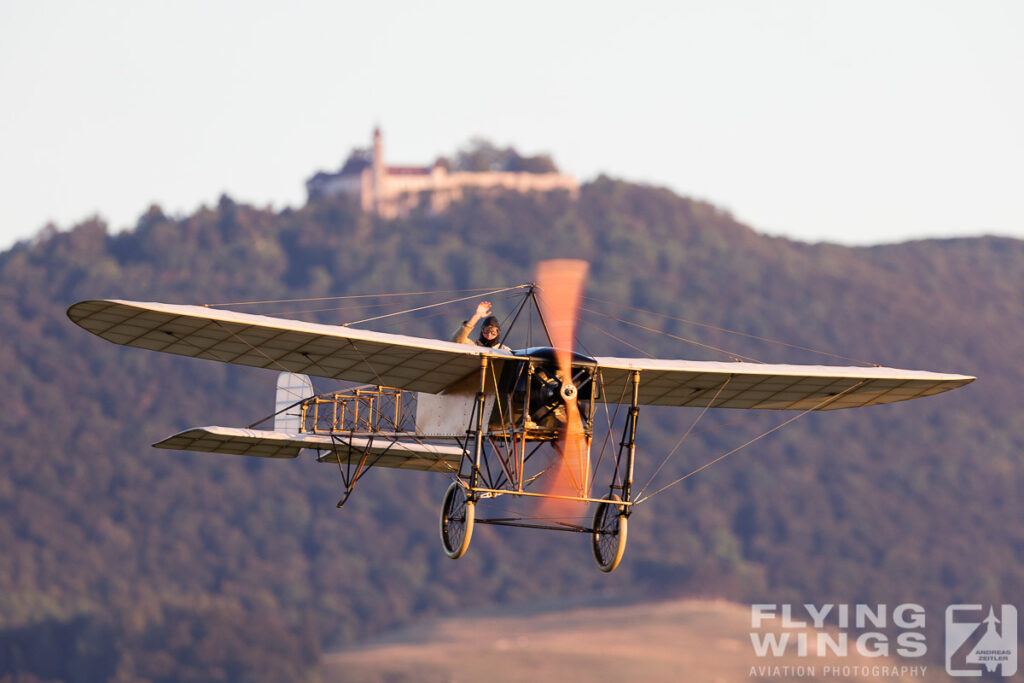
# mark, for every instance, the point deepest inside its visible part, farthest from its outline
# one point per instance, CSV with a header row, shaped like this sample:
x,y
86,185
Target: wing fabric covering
x,y
330,351
767,387
382,451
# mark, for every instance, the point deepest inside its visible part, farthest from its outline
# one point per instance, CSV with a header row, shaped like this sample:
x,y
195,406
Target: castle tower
x,y
378,169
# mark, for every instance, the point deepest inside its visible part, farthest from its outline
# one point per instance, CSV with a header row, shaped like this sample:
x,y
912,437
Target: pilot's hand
x,y
483,309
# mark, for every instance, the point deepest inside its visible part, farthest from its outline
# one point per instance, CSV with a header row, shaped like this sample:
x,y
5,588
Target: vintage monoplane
x,y
483,415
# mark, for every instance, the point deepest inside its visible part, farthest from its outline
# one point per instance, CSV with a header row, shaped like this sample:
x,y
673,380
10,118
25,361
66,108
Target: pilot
x,y
490,330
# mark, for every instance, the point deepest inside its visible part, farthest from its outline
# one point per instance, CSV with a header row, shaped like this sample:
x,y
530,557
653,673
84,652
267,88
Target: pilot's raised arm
x,y
490,330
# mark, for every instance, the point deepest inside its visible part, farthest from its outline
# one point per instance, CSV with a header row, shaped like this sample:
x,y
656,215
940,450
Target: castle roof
x,y
408,170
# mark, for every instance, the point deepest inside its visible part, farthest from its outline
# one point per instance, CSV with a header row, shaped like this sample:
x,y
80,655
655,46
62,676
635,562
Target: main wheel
x,y
609,540
457,515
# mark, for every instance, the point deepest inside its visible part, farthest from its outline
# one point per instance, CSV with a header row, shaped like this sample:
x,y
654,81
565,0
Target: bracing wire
x,y
734,332
684,436
703,467
442,303
618,339
734,356
274,362
340,298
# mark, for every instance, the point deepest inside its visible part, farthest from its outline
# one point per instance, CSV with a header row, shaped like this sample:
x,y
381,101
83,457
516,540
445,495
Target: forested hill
x,y
121,560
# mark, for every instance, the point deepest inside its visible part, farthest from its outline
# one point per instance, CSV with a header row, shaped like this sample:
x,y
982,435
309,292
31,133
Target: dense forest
x,y
120,561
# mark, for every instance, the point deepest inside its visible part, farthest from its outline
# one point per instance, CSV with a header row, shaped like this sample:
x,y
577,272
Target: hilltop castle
x,y
391,191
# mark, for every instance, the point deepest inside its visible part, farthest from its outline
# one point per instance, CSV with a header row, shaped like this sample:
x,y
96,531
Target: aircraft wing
x,y
381,451
765,386
335,352
429,365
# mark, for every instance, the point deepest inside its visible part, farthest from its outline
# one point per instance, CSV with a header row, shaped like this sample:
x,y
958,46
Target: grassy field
x,y
687,640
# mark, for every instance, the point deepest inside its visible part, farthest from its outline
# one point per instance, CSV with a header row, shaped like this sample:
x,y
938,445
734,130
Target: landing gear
x,y
610,517
457,516
494,463
609,540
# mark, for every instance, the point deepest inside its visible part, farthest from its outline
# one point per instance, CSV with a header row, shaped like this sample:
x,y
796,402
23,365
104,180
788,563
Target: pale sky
x,y
857,122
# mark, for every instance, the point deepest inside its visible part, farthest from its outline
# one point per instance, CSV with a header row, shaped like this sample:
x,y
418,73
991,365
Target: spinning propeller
x,y
561,290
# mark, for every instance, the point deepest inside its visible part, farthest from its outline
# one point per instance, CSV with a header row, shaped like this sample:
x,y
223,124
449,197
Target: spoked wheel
x,y
457,515
609,540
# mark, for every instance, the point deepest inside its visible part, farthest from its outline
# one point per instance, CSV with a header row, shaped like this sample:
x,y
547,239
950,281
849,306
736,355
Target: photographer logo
x,y
980,640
